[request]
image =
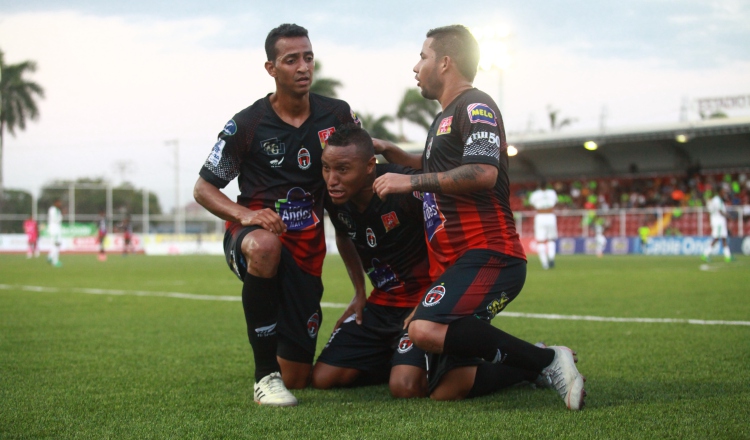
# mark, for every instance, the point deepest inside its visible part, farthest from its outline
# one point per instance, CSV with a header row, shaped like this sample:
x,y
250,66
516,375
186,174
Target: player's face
x,y
346,172
293,66
427,72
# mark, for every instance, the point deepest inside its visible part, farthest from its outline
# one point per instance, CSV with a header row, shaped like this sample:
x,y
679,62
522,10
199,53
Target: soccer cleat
x,y
706,258
563,376
271,391
551,264
57,264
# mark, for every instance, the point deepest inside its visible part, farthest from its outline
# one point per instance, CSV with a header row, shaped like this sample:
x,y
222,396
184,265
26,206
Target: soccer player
x,y
543,200
386,239
474,250
718,211
275,241
101,225
31,228
54,230
127,235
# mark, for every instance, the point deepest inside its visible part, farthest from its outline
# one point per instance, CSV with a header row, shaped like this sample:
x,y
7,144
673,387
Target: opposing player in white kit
x,y
545,224
718,211
54,230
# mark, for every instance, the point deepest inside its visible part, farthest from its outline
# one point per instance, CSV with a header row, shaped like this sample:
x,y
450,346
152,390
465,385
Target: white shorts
x,y
719,228
545,227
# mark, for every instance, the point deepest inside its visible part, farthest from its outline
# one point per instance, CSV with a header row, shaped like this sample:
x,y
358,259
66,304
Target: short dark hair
x,y
286,30
456,42
353,134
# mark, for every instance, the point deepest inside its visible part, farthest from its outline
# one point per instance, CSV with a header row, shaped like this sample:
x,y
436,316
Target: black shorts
x,y
300,315
439,364
376,345
480,283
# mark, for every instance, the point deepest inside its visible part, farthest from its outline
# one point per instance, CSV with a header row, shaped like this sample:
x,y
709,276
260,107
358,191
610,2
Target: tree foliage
x,y
322,85
416,109
376,126
556,122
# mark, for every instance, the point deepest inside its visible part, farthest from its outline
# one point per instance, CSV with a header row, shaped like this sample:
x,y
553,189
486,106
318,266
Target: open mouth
x,y
336,193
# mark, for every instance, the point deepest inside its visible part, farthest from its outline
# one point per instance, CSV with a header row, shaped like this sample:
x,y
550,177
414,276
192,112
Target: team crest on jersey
x,y
216,152
481,113
382,276
230,128
433,218
497,306
429,148
445,126
297,210
313,324
405,344
303,159
434,296
323,135
390,221
370,235
273,147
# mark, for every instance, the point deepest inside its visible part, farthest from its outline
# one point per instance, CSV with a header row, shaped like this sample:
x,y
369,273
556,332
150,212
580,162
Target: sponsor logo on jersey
x,y
491,137
497,306
382,276
230,128
445,126
216,152
346,219
323,135
276,163
418,195
429,148
264,332
313,324
434,296
390,221
296,211
371,237
303,159
481,113
433,218
405,344
273,147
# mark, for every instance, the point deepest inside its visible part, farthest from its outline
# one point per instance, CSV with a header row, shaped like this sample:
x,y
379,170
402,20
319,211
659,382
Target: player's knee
x,y
421,334
407,387
322,379
262,251
295,382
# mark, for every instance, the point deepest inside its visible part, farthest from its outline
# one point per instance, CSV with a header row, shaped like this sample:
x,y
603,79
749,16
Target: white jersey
x,y
543,199
54,220
716,208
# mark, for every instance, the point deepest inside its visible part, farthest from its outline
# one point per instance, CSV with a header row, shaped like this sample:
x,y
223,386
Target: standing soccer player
x,y
475,252
101,235
54,230
275,241
543,200
718,211
31,228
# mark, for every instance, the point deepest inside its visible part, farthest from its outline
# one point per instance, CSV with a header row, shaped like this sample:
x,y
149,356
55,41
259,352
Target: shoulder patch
x,y
230,128
481,113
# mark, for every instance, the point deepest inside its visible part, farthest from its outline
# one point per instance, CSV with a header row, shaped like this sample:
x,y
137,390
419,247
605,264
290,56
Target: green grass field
x,y
78,363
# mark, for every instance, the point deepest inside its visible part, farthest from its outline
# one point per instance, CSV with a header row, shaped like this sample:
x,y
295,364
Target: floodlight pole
x,y
176,144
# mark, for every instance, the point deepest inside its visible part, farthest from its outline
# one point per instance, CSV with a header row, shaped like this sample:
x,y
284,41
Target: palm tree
x,y
324,86
415,108
376,126
16,99
554,123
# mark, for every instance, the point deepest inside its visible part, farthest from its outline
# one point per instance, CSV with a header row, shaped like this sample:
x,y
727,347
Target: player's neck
x,y
362,200
292,109
453,88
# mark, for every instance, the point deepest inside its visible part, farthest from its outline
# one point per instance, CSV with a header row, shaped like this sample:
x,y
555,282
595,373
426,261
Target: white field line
x,y
342,306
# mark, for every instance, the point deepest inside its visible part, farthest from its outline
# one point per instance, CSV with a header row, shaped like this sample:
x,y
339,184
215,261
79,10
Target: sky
x,y
124,80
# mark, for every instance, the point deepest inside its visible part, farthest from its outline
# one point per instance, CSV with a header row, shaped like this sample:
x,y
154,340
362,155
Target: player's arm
x,y
218,204
460,180
394,154
354,267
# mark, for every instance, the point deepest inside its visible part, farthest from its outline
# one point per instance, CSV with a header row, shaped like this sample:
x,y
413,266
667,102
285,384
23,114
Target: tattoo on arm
x,y
425,182
465,173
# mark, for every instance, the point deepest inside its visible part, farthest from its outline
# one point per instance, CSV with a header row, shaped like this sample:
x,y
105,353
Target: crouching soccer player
x,y
386,239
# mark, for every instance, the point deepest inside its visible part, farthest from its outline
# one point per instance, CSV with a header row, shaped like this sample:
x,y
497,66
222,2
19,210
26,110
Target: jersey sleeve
x,y
223,163
481,134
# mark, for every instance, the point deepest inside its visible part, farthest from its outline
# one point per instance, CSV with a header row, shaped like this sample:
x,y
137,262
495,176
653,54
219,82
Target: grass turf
x,y
77,365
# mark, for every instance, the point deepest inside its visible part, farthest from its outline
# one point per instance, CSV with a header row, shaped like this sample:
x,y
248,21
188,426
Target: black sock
x,y
494,377
260,301
473,337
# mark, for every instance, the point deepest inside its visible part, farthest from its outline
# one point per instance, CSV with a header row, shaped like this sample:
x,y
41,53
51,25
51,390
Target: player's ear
x,y
371,164
270,68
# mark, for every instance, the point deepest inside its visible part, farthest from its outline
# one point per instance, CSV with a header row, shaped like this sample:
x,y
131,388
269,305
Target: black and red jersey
x,y
389,238
279,168
469,131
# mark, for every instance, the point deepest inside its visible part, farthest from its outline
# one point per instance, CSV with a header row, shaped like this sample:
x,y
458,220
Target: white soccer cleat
x,y
271,391
563,376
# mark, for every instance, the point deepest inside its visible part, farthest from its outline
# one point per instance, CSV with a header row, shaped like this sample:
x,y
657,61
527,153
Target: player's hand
x,y
266,218
380,145
391,183
409,318
355,308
